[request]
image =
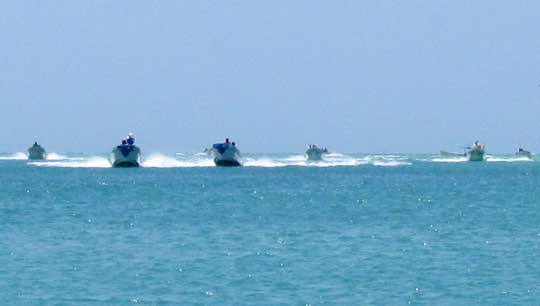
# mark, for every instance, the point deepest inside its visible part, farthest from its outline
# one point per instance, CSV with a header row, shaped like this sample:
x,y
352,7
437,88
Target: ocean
x,y
356,229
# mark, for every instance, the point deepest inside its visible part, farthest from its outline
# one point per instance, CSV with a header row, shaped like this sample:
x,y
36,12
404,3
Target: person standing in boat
x,y
130,139
478,145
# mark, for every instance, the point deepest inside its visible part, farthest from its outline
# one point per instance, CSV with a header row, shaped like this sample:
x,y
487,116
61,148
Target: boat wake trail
x,y
488,158
449,159
198,160
512,159
75,162
152,161
201,160
56,156
330,160
181,161
300,160
15,156
388,160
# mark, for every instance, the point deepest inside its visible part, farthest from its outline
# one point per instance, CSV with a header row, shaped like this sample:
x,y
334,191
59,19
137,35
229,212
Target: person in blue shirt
x,y
130,139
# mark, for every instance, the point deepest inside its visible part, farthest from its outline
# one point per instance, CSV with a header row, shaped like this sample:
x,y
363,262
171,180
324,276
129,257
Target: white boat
x,y
225,154
36,152
476,153
314,153
126,155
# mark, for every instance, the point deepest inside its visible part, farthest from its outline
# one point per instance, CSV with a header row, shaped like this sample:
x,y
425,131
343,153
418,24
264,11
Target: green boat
x,y
36,152
476,153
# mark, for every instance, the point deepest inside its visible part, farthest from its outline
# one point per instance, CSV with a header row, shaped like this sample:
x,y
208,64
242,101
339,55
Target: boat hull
x,y
225,155
227,163
315,154
37,153
476,155
125,164
126,156
525,154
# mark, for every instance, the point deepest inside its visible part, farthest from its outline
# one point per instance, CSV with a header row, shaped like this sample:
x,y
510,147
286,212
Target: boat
x,y
127,154
36,152
524,153
124,156
225,154
476,153
314,153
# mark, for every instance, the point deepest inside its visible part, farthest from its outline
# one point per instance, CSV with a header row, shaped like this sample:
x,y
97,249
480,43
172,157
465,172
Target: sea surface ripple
x,y
358,230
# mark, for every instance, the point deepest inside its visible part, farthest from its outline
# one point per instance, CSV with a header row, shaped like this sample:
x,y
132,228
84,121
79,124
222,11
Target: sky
x,y
275,76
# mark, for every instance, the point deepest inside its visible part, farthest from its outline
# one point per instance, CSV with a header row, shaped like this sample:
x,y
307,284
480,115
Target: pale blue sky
x,y
357,76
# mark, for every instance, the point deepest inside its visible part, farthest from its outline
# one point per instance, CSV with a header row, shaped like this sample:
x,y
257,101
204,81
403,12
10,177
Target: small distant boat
x,y
476,153
314,153
225,154
524,153
36,152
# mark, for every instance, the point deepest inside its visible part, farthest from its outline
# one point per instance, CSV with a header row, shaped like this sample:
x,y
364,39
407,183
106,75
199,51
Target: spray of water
x,y
508,159
15,156
163,161
86,162
189,160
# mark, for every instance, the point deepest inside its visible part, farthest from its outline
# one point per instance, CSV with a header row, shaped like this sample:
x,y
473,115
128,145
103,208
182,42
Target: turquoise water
x,y
355,230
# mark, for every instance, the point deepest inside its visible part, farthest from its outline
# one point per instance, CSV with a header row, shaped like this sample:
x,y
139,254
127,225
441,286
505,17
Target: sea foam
x,y
15,156
87,162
